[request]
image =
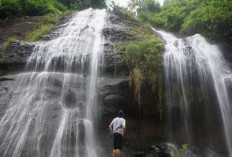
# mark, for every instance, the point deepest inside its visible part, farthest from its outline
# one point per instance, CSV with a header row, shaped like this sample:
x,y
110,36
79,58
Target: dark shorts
x,y
118,141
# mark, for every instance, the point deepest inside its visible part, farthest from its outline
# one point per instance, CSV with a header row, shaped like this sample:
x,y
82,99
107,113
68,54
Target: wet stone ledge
x,y
16,53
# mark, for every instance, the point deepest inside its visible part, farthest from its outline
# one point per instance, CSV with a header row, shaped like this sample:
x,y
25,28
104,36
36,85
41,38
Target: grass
x,y
47,23
39,32
7,43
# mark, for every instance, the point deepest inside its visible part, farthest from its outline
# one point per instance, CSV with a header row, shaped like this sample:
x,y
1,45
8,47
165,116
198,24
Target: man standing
x,y
118,128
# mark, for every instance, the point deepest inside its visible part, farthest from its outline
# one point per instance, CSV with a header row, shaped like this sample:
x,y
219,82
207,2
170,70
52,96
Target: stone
x,y
6,84
116,31
17,53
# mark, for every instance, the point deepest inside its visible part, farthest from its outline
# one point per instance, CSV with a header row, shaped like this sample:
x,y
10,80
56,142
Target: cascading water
x,y
194,70
54,105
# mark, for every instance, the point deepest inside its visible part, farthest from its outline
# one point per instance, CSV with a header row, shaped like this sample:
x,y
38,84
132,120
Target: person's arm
x,y
111,128
124,128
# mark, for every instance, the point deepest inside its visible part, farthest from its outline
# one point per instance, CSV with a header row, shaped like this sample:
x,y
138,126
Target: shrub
x,y
9,8
144,61
212,19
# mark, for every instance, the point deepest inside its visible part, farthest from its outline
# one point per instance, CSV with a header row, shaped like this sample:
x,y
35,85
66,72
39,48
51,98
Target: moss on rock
x,y
142,54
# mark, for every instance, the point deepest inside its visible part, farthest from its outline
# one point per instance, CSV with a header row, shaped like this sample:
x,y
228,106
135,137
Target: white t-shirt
x,y
117,125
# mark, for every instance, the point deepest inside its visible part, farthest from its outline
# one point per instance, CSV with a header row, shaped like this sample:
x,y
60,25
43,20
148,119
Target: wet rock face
x,y
17,53
115,31
6,84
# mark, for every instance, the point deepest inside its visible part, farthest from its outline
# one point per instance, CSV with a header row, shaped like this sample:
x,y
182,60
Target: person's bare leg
x,y
114,153
118,152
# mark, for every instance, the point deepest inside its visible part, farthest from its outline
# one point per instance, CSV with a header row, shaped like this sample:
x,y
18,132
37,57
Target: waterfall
x,y
54,103
195,71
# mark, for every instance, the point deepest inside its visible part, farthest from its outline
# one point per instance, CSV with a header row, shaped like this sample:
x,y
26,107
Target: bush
x,y
14,8
132,55
212,19
144,61
35,7
9,8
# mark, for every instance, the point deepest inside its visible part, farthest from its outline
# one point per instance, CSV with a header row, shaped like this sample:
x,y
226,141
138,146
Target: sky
x,y
124,3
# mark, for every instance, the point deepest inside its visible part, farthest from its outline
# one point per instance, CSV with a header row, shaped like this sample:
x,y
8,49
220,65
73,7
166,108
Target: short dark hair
x,y
120,113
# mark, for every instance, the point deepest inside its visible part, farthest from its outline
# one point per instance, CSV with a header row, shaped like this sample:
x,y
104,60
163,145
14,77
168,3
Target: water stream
x,y
196,73
54,103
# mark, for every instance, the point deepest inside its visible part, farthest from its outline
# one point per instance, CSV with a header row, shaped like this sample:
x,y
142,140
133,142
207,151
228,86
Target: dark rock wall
x,y
141,133
17,53
115,31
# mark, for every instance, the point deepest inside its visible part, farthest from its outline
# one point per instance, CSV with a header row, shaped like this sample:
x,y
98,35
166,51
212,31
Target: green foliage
x,y
142,54
144,60
15,8
212,19
156,151
132,55
39,32
149,6
181,152
47,23
9,8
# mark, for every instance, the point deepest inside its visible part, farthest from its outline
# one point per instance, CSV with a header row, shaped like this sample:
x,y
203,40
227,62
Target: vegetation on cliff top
x,y
52,10
45,24
213,19
17,8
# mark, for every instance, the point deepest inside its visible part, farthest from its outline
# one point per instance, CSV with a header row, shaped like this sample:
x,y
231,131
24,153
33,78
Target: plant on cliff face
x,y
136,81
181,152
144,61
7,43
39,32
46,24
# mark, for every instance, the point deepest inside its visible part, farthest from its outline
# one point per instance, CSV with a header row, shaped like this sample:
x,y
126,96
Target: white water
x,y
194,57
125,3
54,104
